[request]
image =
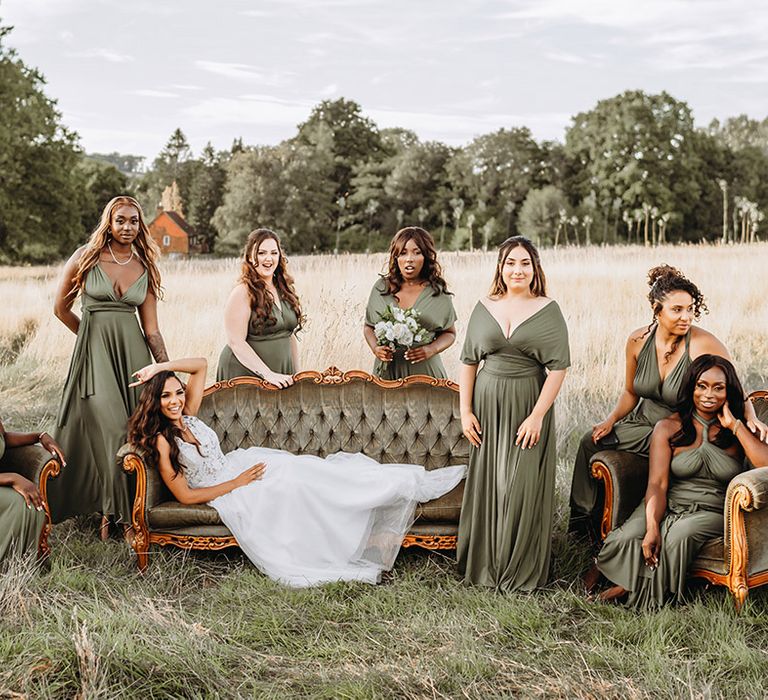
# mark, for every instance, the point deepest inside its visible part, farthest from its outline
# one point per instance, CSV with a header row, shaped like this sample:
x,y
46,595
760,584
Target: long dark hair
x,y
148,421
539,282
257,289
431,272
734,394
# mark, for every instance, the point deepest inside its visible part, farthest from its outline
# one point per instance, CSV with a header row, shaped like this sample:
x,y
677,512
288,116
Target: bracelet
x,y
736,427
40,436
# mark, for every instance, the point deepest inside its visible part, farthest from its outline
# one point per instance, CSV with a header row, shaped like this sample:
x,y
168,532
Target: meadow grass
x,y
209,625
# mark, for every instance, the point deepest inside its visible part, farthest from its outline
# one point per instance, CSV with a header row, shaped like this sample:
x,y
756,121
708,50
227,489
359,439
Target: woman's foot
x,y
612,594
104,528
591,579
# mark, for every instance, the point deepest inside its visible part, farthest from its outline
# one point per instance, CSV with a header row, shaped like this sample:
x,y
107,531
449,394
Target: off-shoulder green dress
x,y
20,527
272,344
436,314
97,401
657,401
699,479
505,529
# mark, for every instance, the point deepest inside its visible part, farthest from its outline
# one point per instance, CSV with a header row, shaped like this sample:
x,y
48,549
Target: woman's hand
x,y
144,374
250,475
28,491
53,447
470,426
529,432
726,418
420,354
757,426
600,430
384,353
279,380
651,547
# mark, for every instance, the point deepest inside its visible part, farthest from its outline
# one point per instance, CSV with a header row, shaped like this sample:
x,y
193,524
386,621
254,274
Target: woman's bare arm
x,y
151,328
66,293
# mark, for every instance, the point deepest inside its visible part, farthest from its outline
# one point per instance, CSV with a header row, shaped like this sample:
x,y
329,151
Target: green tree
x,y
102,182
540,214
206,194
42,193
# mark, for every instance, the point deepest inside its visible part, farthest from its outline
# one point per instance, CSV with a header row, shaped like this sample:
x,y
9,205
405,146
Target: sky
x,y
127,73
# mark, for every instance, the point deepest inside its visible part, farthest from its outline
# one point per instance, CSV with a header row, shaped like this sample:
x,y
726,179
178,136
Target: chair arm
x,y
134,459
29,461
625,478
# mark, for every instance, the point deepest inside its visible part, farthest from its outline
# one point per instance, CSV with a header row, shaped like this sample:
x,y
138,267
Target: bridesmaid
x,y
414,279
694,455
520,336
262,316
22,515
657,357
116,275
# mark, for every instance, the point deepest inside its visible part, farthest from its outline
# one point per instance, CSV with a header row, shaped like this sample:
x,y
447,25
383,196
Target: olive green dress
x,y
20,527
699,479
97,400
505,527
436,314
657,400
271,344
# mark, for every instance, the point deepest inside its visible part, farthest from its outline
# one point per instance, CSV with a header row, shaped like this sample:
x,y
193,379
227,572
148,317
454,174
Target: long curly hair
x,y
663,280
147,422
432,273
261,299
734,394
146,248
539,282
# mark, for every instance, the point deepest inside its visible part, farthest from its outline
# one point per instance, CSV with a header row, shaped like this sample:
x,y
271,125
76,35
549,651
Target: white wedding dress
x,y
311,520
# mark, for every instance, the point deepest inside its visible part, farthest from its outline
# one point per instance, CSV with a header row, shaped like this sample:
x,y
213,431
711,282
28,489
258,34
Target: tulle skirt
x,y
313,520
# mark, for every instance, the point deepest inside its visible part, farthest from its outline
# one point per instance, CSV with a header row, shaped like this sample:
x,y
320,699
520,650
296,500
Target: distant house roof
x,y
180,222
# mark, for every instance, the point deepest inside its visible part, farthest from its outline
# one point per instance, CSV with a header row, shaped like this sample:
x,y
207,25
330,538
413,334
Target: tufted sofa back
x,y
413,421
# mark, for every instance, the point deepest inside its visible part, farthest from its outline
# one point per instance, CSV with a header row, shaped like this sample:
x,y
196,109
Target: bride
x,y
302,520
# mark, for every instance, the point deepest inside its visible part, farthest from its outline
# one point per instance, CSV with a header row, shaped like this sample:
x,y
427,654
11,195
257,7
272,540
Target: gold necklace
x,y
117,262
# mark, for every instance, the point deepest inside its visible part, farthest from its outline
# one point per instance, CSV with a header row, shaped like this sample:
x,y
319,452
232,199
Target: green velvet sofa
x,y
415,420
738,559
38,465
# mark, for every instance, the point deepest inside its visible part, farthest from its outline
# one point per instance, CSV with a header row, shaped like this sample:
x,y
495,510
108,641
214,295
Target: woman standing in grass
x,y
694,455
658,357
116,275
262,316
414,280
22,515
520,336
302,520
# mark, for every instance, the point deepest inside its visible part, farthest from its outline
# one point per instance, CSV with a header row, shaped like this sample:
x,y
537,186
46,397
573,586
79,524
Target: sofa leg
x,y
141,547
740,592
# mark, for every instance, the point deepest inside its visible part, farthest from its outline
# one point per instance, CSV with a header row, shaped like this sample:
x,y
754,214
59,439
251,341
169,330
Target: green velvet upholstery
x,y
415,422
746,502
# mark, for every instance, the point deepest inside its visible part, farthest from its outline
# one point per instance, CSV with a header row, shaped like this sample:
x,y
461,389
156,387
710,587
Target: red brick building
x,y
171,232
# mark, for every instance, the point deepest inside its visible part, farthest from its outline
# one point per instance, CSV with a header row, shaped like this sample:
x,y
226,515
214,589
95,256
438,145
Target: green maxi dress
x,y
97,400
657,401
505,529
436,314
20,527
695,499
272,345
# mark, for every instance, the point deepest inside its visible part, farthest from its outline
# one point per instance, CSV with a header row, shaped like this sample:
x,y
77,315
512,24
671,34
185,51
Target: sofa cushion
x,y
710,557
196,531
172,514
447,508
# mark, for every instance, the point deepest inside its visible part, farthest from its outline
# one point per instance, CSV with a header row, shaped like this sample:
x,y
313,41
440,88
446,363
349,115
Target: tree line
x,y
633,169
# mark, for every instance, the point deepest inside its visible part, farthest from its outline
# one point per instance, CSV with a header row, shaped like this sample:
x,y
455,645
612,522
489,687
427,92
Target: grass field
x,y
212,626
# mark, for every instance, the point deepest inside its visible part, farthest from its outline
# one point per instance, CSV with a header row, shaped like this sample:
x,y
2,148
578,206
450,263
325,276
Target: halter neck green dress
x,y
20,527
97,401
657,401
505,529
436,314
698,483
272,344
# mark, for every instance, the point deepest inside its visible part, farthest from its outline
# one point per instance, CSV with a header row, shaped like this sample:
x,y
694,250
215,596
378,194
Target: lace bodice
x,y
208,466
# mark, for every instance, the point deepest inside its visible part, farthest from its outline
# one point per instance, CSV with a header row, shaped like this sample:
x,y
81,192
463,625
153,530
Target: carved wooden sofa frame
x,y
36,464
739,559
420,414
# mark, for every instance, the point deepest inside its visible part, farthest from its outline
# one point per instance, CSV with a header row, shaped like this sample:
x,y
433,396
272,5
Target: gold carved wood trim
x,y
192,541
430,541
333,376
51,470
601,472
134,463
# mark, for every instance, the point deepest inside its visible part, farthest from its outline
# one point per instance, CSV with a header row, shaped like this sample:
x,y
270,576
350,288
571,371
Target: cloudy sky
x,y
126,73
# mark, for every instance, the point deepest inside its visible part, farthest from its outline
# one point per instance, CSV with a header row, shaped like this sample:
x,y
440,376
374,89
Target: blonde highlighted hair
x,y
146,248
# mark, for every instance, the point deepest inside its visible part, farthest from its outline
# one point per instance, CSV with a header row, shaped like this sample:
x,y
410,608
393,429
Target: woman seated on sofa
x,y
694,455
22,515
302,520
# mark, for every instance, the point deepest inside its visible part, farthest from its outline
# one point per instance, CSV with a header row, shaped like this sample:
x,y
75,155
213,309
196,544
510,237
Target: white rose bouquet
x,y
399,329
